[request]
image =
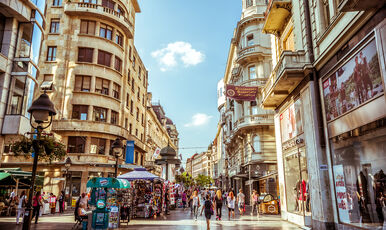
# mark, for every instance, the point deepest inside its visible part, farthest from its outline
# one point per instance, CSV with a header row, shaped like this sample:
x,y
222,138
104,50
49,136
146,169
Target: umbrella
x,y
138,174
107,182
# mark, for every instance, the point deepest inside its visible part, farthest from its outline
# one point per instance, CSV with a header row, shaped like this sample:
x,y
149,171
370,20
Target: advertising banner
x,y
354,83
341,194
129,152
242,93
291,121
156,152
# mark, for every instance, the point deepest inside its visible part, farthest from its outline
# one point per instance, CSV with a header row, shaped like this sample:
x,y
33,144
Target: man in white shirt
x,y
241,201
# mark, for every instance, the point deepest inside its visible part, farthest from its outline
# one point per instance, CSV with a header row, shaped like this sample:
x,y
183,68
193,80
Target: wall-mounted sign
x,y
242,93
354,83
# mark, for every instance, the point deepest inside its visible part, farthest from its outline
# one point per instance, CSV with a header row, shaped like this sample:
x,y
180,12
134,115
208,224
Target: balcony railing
x,y
252,120
90,8
252,51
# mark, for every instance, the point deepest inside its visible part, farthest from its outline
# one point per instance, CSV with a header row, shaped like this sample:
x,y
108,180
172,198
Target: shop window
x,y
119,38
85,54
250,41
116,91
76,178
100,114
76,144
17,95
82,83
118,64
87,27
359,175
79,112
102,86
114,118
252,72
98,146
54,28
106,31
108,3
51,53
104,58
57,2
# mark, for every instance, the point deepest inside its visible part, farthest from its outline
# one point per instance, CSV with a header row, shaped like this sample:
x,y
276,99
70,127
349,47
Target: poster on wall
x,y
354,83
341,194
291,121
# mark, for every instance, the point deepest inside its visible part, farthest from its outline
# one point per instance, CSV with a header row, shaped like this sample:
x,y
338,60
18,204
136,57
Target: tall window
x,y
85,54
119,38
54,28
254,108
131,106
100,114
250,40
132,84
79,112
116,91
87,27
17,98
130,52
252,72
114,118
126,122
98,145
139,72
57,2
108,3
249,3
82,83
76,144
104,58
257,144
106,31
118,64
137,114
139,94
51,53
326,13
133,63
127,100
128,76
130,128
102,86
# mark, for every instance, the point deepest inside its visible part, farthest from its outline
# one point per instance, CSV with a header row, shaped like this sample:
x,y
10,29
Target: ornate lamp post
x,y
42,110
117,150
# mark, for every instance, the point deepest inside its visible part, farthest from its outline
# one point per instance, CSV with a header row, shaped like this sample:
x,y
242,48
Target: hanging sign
x,y
129,152
156,152
242,93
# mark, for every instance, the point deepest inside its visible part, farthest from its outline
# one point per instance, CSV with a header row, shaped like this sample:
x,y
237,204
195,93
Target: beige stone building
x,y
98,84
200,164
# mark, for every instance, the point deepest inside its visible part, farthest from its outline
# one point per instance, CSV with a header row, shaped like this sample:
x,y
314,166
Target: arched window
x,y
257,143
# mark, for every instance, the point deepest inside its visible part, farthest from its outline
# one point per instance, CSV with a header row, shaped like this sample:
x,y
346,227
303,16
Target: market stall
x,y
148,192
108,195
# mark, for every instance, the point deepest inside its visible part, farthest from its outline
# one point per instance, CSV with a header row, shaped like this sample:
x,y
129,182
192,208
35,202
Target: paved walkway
x,y
178,219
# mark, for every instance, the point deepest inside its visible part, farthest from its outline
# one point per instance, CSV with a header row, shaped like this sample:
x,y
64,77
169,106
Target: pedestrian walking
x,y
241,201
52,203
196,204
218,204
255,202
231,205
61,202
183,198
20,201
208,207
36,203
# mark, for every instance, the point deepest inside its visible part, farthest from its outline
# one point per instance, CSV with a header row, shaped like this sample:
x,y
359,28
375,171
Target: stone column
x,y
87,145
90,111
92,87
107,149
83,181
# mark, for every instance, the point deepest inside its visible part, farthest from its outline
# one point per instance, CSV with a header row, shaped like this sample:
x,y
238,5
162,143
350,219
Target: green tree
x,y
203,180
185,179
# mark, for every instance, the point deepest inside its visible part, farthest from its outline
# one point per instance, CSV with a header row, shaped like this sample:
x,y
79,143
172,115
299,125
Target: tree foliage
x,y
185,179
203,180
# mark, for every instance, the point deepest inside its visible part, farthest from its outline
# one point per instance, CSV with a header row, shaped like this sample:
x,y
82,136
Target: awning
x,y
4,175
107,182
138,174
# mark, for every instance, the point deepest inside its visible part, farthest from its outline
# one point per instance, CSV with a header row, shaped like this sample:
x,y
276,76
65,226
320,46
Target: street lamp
x,y
42,110
67,165
117,150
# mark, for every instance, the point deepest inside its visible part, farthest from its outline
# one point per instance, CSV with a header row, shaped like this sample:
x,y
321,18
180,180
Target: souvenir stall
x,y
147,193
107,195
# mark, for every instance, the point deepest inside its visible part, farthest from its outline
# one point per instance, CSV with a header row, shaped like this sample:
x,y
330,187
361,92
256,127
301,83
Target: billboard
x,y
291,121
354,83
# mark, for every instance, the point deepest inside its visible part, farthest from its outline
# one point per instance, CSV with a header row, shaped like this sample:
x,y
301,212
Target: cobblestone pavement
x,y
178,219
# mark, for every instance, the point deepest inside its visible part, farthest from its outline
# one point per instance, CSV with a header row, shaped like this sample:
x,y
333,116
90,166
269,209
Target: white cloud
x,y
199,119
173,53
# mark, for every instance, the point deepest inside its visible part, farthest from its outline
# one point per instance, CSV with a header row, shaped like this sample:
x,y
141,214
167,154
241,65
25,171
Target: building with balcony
x,y
328,69
22,26
247,130
200,164
95,77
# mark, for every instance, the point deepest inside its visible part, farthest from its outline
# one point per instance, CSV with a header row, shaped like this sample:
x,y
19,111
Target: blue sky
x,y
184,45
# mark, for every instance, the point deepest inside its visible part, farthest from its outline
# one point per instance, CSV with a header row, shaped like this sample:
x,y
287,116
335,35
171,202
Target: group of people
x,y
213,202
37,202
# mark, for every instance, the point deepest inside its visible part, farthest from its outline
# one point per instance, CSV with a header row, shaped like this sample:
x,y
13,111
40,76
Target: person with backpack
x,y
218,204
20,202
36,203
208,207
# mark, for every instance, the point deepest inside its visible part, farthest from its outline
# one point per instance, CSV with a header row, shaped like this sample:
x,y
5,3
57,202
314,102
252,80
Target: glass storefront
x,y
358,163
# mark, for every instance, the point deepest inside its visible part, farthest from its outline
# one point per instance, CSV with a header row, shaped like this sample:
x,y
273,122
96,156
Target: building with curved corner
x,y
94,75
247,129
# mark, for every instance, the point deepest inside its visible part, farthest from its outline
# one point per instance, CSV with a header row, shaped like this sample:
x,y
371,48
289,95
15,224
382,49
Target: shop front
x,y
354,111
